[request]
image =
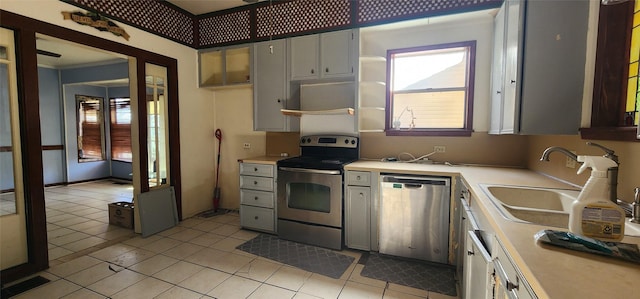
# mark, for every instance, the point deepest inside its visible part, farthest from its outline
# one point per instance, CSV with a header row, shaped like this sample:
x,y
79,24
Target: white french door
x,y
13,228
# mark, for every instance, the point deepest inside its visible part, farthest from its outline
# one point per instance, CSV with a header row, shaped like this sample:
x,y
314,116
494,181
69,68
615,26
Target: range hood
x,y
299,113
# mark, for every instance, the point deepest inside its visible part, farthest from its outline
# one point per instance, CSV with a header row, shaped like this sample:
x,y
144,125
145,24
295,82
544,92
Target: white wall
x,y
233,113
196,105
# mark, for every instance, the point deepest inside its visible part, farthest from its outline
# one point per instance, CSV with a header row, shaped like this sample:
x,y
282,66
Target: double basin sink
x,y
542,206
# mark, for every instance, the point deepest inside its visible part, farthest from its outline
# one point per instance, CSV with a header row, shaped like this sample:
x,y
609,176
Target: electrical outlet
x,y
246,145
439,148
570,163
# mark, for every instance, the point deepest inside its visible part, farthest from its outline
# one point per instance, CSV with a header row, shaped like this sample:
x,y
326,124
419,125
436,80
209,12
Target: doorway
x,y
26,30
84,170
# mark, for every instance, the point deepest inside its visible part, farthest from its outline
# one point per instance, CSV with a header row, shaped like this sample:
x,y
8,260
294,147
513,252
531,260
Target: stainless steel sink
x,y
542,206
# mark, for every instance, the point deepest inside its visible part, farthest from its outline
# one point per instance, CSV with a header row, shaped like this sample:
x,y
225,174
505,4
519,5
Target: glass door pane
x,y
13,229
157,135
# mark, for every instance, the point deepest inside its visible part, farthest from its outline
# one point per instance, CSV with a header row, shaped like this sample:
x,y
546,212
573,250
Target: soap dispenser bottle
x,y
592,213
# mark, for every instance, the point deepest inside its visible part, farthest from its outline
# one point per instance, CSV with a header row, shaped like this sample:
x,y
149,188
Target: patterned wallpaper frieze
x,y
270,19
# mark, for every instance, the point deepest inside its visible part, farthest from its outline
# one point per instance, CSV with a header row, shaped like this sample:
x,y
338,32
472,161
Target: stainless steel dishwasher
x,y
414,216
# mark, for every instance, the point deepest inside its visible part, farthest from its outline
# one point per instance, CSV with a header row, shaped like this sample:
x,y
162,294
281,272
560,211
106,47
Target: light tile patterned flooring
x,y
78,217
196,259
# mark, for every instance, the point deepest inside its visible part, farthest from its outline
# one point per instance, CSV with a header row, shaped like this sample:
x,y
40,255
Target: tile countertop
x,y
552,272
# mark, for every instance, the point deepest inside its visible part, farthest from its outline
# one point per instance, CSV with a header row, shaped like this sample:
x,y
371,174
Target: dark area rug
x,y
310,258
412,273
22,287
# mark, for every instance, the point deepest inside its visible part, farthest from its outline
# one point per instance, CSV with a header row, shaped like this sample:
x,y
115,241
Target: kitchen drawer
x,y
359,178
257,198
256,183
257,218
264,170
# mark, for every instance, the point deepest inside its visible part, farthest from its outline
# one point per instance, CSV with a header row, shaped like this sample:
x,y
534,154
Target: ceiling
x,y
198,7
72,54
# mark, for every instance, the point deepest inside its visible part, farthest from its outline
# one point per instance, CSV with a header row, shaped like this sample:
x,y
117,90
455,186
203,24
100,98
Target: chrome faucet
x,y
612,173
549,150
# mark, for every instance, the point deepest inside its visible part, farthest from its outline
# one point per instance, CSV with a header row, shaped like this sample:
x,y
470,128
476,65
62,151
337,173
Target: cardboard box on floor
x,y
121,214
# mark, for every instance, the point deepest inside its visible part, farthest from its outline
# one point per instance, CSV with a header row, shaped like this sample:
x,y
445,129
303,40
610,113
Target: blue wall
x,y
50,84
72,81
51,124
86,170
95,73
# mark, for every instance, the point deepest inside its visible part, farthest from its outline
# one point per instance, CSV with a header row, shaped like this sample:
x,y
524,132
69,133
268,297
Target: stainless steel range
x,y
310,191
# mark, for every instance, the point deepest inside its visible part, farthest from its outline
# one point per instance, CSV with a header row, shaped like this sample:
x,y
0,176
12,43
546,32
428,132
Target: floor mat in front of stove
x,y
310,258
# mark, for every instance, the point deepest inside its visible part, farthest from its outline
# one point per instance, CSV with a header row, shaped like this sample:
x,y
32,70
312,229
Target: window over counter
x,y
120,109
430,90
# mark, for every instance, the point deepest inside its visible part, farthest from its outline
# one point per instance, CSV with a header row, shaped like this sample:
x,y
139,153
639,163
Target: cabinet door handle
x,y
279,101
313,71
469,252
326,70
256,217
498,92
513,81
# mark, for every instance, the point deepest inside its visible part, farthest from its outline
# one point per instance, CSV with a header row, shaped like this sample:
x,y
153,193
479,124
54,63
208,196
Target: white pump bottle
x,y
592,213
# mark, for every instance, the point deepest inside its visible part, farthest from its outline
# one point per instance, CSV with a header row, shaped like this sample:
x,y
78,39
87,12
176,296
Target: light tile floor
x,y
197,259
78,216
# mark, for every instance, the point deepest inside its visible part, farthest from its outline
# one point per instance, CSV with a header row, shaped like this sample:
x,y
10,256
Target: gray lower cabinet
x,y
478,278
257,197
358,210
509,282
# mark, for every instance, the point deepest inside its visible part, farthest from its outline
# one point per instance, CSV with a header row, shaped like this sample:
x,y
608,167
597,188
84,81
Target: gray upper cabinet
x,y
305,58
539,65
271,88
326,55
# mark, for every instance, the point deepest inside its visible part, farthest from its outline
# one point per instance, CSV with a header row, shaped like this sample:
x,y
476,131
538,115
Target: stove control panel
x,y
329,141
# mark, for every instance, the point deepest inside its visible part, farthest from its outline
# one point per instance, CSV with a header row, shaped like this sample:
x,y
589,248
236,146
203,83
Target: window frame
x,y
467,128
115,146
100,122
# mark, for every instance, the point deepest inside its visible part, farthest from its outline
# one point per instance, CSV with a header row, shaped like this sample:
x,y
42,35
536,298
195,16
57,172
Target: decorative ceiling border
x,y
156,17
270,19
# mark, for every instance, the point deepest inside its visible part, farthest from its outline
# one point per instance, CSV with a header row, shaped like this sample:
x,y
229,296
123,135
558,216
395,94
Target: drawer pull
x,y
255,169
255,198
358,178
256,217
255,182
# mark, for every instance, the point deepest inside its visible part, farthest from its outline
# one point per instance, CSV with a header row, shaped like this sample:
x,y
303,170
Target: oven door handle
x,y
305,170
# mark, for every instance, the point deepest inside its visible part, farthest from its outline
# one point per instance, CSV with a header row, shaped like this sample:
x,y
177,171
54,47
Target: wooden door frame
x,y
25,29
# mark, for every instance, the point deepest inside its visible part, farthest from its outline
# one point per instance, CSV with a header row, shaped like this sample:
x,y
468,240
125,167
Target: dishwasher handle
x,y
413,181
